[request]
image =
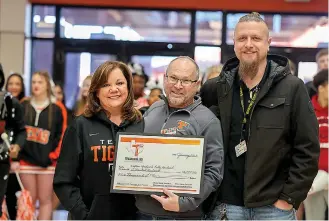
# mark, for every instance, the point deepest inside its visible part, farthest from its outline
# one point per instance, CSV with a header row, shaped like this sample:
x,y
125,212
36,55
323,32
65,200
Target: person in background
x,y
83,173
59,93
182,105
292,66
45,125
60,96
154,95
316,203
322,63
81,104
15,86
213,71
139,81
321,59
269,127
12,123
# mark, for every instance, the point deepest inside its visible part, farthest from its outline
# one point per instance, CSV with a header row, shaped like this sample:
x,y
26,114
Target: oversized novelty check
x,y
146,164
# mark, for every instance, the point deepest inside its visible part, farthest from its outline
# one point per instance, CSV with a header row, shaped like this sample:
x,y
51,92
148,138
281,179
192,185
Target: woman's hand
x,y
14,166
14,150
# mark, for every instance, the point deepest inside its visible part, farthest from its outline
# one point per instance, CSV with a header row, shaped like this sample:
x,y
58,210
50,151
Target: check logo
x,y
93,134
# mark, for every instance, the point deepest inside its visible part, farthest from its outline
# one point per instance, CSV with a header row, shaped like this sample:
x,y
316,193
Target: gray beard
x,y
248,69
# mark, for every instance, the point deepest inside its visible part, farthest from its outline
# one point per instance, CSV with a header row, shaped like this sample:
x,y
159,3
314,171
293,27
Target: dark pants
x,y
11,200
141,216
4,171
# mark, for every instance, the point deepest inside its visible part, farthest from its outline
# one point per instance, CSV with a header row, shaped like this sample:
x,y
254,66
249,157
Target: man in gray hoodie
x,y
181,113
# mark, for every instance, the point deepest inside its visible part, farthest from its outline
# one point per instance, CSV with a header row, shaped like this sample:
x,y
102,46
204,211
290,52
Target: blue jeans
x,y
269,212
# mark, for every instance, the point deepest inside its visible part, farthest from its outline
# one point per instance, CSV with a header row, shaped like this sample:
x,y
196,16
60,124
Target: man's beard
x,y
249,69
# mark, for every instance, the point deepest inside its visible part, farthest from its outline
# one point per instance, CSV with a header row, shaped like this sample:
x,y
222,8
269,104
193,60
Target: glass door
x,y
155,67
78,65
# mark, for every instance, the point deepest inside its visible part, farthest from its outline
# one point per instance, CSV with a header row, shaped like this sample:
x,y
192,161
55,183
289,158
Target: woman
x,y
15,85
83,173
80,106
153,97
59,93
60,96
45,124
212,72
12,123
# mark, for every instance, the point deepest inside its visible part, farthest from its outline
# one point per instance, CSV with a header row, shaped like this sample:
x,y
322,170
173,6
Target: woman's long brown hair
x,y
100,77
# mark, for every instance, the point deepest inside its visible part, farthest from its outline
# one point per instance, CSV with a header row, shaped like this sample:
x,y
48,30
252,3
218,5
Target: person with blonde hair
x,y
45,125
81,104
213,71
269,127
83,173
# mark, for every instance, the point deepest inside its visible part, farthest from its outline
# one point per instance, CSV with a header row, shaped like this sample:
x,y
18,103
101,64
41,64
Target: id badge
x,y
241,148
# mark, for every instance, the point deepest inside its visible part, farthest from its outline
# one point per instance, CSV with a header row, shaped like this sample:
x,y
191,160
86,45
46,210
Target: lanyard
x,y
247,112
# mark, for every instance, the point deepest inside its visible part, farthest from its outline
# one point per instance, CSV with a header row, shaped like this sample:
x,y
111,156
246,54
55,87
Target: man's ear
x,y
269,43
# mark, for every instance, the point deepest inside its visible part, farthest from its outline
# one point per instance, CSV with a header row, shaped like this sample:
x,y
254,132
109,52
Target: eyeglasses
x,y
174,80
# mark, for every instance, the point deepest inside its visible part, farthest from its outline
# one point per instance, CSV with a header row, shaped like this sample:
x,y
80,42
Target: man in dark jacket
x,y
270,131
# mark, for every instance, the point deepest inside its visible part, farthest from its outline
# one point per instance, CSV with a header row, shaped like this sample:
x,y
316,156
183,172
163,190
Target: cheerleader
x,y
45,124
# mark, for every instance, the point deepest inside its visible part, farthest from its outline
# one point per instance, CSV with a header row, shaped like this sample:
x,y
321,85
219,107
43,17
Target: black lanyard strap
x,y
252,102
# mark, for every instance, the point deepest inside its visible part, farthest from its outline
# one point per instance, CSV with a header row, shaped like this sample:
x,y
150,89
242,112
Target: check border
x,y
119,134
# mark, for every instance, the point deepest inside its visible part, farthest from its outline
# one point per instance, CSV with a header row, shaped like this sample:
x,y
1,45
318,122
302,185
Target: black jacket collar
x,y
279,68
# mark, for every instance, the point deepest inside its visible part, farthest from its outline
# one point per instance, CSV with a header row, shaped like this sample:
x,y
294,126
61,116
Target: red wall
x,y
314,6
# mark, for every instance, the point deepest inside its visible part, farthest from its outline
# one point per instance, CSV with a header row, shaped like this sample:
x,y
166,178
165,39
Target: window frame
x,y
127,49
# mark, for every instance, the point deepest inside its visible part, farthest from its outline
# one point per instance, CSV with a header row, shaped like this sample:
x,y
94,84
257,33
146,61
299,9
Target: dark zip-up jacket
x,y
44,136
83,174
283,147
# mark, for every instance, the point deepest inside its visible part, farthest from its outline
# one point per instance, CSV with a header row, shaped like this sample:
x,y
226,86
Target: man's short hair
x,y
321,78
321,53
197,69
253,16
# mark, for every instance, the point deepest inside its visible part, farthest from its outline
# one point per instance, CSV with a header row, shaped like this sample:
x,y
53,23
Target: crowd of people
x,y
266,133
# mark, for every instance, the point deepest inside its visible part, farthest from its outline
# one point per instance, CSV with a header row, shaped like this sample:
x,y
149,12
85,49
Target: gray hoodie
x,y
199,121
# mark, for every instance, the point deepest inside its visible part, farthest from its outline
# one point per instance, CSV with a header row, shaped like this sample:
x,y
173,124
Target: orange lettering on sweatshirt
x,y
38,135
94,149
103,153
